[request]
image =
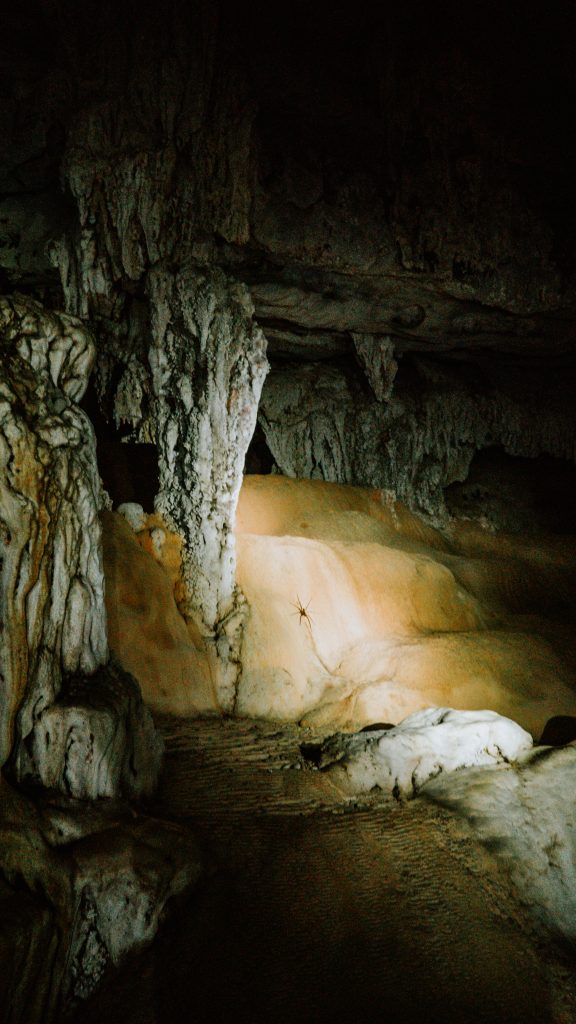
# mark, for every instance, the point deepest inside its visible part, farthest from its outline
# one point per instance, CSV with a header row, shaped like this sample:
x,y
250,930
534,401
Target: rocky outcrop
x,y
520,814
96,740
73,722
100,876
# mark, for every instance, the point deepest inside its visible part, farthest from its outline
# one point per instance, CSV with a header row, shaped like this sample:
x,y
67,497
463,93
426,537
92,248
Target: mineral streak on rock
x,y
208,366
52,616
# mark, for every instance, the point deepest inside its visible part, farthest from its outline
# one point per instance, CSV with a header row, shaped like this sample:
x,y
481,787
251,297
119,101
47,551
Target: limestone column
x,y
208,364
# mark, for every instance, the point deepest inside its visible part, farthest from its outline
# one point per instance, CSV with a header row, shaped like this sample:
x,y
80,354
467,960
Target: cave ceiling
x,y
401,170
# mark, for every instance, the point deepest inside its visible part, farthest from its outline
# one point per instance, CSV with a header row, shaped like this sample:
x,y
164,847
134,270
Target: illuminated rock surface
x,y
400,616
145,628
423,746
525,817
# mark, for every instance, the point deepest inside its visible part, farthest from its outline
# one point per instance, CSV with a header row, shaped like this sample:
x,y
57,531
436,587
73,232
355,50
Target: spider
x,y
302,611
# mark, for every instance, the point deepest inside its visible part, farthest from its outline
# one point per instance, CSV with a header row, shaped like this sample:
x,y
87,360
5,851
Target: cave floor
x,y
319,911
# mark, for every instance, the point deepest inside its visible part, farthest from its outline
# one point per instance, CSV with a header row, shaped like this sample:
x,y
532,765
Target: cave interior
x,y
287,512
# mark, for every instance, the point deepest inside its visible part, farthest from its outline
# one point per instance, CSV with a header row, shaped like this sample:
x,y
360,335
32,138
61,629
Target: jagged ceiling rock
x,y
323,300
419,157
375,173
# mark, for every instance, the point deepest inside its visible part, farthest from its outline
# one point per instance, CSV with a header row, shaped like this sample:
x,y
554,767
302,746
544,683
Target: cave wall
x,y
377,184
353,225
380,198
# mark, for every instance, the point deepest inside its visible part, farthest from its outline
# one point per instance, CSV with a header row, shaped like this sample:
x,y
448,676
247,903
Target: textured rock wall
x,y
320,422
370,209
51,590
360,166
382,182
70,721
99,876
208,365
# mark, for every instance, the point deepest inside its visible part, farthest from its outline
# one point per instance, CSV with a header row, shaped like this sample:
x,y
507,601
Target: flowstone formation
x,y
74,726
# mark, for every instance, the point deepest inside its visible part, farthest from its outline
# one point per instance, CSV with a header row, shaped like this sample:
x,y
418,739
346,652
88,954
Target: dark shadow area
x,y
259,458
319,918
129,470
517,494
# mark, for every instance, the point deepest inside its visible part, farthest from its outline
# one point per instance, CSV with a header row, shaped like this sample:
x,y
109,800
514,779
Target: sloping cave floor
x,y
319,911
